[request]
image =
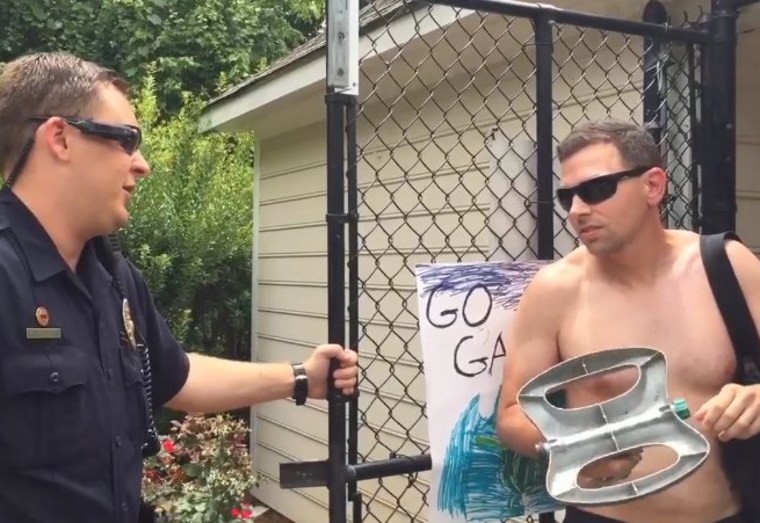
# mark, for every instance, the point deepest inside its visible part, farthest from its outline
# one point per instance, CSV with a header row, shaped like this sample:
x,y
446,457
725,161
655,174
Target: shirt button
x,y
117,439
54,377
109,373
124,506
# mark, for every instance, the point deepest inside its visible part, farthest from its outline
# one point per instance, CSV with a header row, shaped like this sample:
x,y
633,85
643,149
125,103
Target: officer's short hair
x,y
41,84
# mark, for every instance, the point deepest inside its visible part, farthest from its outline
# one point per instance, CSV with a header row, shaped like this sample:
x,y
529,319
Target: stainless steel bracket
x,y
643,416
343,46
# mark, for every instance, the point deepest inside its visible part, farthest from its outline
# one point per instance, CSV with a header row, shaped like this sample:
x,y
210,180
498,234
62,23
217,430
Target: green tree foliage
x,y
191,226
192,44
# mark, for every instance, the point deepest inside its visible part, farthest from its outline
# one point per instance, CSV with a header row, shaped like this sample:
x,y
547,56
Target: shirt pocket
x,y
44,406
134,394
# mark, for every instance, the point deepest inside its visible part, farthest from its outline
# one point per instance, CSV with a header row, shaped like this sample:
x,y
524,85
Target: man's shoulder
x,y
744,260
565,271
737,249
738,252
559,279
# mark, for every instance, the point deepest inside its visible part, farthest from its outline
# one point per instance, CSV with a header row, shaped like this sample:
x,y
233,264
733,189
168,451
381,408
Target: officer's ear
x,y
56,134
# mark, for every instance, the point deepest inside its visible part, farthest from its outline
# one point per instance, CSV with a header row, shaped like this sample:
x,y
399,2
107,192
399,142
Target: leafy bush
x,y
202,473
191,227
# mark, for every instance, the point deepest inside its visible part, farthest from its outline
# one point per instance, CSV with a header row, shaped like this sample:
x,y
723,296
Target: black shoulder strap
x,y
732,303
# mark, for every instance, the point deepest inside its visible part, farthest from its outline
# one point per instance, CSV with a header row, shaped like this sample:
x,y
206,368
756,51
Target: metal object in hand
x,y
643,416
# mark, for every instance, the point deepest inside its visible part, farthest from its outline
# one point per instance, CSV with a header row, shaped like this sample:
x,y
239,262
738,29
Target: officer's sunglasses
x,y
127,136
598,189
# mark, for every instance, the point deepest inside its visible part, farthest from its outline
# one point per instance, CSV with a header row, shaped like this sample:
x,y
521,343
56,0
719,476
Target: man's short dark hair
x,y
635,144
42,84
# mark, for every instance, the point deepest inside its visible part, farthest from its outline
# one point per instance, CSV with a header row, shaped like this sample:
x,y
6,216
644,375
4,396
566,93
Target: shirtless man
x,y
633,283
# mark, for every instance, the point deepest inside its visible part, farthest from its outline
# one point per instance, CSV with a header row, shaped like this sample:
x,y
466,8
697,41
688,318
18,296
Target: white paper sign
x,y
464,311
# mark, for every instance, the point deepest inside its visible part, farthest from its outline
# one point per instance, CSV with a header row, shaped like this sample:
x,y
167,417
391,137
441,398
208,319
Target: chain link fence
x,y
446,131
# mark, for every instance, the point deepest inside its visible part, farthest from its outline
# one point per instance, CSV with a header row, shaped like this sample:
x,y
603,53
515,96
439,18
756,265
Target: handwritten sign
x,y
465,310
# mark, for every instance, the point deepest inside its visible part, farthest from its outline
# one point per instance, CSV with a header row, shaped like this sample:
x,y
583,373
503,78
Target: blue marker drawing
x,y
483,481
480,480
505,283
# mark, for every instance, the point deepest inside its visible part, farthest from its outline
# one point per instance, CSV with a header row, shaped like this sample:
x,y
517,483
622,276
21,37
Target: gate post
x,y
654,13
544,40
342,77
719,116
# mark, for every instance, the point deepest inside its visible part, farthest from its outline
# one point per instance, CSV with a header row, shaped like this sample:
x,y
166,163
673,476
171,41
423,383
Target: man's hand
x,y
318,367
734,413
603,472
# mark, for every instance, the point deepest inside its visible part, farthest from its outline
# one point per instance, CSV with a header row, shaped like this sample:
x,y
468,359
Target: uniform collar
x,y
40,251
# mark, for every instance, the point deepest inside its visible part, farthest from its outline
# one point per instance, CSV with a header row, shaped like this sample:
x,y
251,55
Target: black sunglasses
x,y
127,136
596,190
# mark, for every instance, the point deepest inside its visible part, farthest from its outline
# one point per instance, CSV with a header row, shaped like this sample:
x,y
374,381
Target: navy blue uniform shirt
x,y
72,409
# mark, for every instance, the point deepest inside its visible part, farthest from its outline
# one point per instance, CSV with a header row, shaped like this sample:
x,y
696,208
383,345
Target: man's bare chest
x,y
682,322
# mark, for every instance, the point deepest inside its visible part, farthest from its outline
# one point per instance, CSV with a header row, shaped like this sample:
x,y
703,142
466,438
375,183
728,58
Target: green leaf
x,y
193,470
154,19
37,10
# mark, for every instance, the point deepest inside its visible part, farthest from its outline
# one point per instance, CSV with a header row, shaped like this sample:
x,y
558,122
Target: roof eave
x,y
227,111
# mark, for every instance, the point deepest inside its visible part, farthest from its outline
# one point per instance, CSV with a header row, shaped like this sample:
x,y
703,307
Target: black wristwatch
x,y
301,389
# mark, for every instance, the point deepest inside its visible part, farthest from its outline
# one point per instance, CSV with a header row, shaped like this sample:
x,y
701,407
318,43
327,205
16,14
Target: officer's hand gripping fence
x,y
640,417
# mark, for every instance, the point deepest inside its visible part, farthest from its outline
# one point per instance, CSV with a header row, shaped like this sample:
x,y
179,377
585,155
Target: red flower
x,y
244,512
168,446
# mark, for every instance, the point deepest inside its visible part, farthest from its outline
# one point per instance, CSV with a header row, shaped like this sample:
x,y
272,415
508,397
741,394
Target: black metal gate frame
x,y
341,471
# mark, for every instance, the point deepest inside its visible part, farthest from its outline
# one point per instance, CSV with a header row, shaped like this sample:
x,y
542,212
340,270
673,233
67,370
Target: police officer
x,y
85,356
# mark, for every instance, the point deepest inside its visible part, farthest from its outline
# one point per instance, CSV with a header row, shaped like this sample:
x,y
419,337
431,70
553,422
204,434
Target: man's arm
x,y
531,348
215,384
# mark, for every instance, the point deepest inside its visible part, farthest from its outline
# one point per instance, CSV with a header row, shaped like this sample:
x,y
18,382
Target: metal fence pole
x,y
654,12
336,303
544,169
354,496
719,180
342,86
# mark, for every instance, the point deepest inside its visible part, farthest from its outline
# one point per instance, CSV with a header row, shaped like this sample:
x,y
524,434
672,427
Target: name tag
x,y
43,333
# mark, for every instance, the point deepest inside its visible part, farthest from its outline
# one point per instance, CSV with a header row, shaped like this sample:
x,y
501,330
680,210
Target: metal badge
x,y
43,317
129,325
